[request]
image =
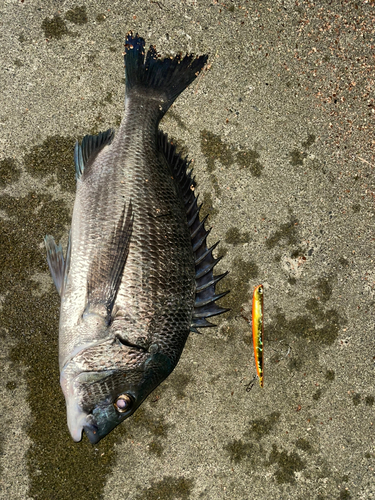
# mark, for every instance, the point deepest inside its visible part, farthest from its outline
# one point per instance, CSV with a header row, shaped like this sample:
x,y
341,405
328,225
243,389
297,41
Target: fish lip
x,y
92,432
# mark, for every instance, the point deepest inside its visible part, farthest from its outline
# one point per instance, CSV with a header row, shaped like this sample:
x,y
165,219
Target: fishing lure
x,y
257,321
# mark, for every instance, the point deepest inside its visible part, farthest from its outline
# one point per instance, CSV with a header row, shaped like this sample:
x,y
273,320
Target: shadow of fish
x,y
137,276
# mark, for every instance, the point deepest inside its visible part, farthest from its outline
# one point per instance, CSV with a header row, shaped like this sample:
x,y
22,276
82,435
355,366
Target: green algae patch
x,y
54,156
169,488
9,172
54,28
287,464
77,15
214,148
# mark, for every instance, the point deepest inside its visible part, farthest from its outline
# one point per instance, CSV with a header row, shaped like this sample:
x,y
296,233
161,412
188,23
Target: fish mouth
x,y
92,432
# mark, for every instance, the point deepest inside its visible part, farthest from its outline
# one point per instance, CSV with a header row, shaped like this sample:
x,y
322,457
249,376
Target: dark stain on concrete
x,y
356,398
330,375
54,28
317,395
261,427
179,382
100,18
214,148
369,400
304,445
207,206
304,326
54,156
169,488
287,464
297,157
344,495
286,234
356,208
239,283
149,422
235,237
238,451
309,141
155,448
77,15
11,385
324,288
248,159
9,172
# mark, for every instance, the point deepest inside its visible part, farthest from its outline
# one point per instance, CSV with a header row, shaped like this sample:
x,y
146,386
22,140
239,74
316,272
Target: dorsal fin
x,y
205,296
86,152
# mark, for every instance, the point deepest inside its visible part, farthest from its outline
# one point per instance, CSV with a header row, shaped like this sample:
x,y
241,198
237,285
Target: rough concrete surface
x,y
281,130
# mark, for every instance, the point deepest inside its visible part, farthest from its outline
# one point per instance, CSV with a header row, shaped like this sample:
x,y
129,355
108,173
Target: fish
x,y
137,276
258,328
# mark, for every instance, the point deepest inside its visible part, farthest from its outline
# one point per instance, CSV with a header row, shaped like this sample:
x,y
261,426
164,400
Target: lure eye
x,y
123,403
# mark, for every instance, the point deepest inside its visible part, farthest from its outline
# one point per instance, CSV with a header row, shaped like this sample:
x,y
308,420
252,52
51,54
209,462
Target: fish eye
x,y
123,403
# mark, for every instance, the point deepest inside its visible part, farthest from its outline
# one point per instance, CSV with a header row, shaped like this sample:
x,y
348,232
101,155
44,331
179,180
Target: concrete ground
x,y
280,128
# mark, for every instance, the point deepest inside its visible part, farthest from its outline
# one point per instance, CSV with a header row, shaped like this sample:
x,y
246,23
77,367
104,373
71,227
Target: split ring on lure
x,y
257,323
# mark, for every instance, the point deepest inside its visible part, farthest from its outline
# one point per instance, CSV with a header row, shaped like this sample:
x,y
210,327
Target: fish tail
x,y
163,79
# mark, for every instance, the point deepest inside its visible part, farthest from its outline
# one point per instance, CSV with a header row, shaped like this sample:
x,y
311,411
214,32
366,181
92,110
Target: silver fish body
x,y
137,276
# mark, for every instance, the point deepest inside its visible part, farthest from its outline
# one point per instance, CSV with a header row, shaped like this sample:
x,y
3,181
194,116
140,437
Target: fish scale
x,y
138,276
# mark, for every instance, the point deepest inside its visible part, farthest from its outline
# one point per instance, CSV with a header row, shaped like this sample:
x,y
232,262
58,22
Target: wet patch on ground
x,y
287,465
77,15
215,149
238,283
169,488
9,172
235,237
285,235
55,27
298,156
250,450
58,467
54,156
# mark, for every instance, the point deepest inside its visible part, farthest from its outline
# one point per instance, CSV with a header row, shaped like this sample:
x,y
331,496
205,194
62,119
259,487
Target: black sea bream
x,y
137,276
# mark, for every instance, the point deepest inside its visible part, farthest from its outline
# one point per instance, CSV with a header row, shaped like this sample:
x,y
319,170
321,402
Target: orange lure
x,y
257,323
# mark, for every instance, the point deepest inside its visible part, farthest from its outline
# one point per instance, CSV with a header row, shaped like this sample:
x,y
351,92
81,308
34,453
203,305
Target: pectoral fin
x,y
57,265
106,270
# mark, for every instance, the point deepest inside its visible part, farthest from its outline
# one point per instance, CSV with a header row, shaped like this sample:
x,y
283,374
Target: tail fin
x,y
165,79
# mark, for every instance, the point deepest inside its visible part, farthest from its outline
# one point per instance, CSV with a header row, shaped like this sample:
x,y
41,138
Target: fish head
x,y
99,398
